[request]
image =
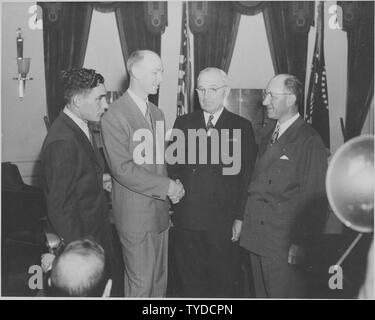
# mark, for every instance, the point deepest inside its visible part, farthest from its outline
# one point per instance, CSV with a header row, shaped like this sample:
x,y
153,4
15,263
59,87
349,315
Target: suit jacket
x,y
73,180
287,202
212,199
139,190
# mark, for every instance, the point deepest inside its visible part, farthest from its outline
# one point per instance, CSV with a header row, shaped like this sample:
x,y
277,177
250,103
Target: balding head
x,y
79,271
282,97
146,72
139,57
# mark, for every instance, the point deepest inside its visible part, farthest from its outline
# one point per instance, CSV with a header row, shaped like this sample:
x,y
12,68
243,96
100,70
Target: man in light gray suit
x,y
140,190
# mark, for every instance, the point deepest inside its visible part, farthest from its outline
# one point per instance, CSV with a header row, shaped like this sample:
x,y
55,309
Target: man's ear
x,y
77,99
291,100
49,281
226,94
136,71
107,289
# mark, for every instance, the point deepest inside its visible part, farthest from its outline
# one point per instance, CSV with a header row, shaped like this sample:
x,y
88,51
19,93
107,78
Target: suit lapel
x,y
91,150
268,154
200,122
138,120
289,133
197,120
135,114
222,121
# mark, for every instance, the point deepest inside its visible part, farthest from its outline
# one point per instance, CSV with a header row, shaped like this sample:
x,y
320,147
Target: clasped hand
x,y
107,182
175,191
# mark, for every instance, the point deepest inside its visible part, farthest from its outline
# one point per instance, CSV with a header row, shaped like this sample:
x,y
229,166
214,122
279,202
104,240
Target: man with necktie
x,y
286,205
140,190
207,221
73,167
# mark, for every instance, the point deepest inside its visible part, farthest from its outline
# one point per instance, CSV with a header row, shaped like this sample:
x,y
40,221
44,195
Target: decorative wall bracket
x,y
23,66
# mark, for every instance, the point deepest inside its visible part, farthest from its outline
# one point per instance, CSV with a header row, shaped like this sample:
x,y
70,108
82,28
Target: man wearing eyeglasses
x,y
208,220
286,205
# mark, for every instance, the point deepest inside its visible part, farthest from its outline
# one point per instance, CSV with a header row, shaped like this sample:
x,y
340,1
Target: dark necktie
x,y
209,123
275,134
91,137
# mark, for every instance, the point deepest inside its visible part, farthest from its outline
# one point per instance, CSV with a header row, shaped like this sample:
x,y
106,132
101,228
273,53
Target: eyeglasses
x,y
265,94
204,91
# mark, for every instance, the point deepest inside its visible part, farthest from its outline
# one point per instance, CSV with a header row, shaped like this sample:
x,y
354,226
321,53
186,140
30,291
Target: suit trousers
x,y
206,264
116,266
145,257
275,278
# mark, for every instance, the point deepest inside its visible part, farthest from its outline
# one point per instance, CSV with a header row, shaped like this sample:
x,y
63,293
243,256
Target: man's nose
x,y
266,100
104,105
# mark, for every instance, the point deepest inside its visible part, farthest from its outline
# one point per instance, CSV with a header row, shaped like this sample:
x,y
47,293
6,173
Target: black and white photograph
x,y
187,151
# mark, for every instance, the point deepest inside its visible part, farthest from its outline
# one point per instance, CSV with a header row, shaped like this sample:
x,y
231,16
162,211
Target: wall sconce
x,y
23,66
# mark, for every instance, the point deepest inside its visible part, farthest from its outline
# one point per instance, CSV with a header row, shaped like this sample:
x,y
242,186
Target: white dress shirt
x,y
80,123
215,118
141,104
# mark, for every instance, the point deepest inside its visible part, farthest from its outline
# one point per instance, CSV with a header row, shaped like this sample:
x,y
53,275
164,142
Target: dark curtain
x,y
287,40
249,8
134,34
360,65
66,28
214,46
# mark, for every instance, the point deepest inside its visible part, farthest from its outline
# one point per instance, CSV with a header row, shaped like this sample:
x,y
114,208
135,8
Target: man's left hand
x,y
236,230
296,255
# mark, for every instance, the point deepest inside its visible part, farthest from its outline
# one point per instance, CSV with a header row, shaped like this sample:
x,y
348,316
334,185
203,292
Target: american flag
x,y
185,93
316,112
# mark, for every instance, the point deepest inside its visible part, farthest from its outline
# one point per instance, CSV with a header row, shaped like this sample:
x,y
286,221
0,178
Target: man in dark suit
x,y
208,220
73,167
286,205
140,188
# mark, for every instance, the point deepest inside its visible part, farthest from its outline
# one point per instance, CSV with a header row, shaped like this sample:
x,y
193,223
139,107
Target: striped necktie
x,y
91,136
275,134
209,123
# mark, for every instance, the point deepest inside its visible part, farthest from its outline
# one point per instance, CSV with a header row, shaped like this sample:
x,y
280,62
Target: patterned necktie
x,y
209,123
275,134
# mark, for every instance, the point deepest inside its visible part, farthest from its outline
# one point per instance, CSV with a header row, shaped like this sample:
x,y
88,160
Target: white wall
x,y
22,125
104,50
251,65
170,52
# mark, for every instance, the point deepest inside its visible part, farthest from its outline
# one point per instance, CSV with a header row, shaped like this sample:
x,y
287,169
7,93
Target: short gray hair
x,y
224,76
294,86
136,57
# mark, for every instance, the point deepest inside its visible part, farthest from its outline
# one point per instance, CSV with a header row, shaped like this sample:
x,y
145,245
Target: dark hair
x,y
79,81
294,86
93,285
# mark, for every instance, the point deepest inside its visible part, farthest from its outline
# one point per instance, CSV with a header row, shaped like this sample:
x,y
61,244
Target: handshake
x,y
175,191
